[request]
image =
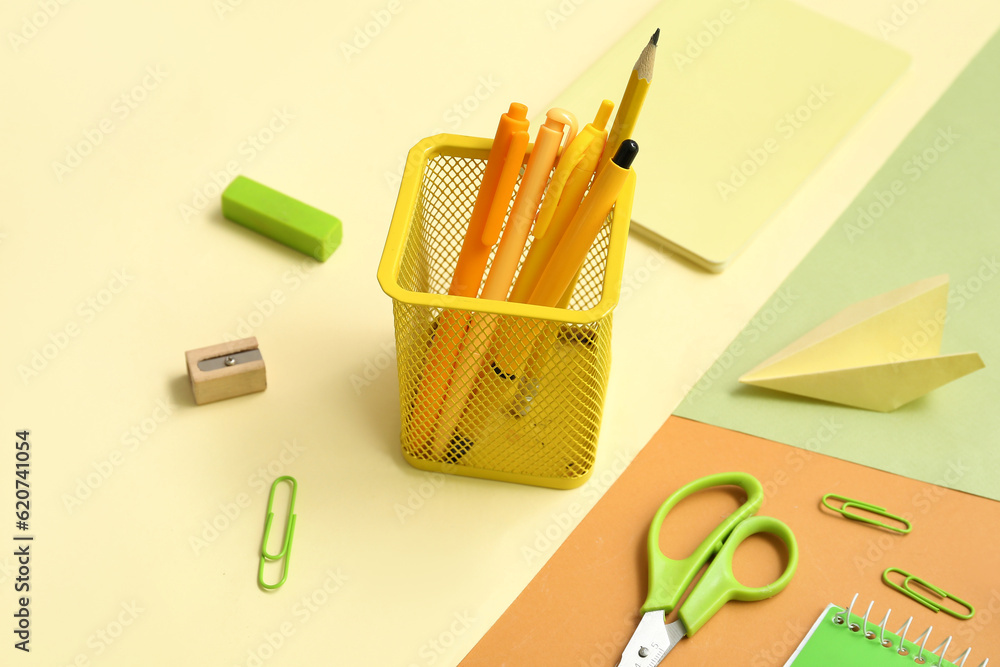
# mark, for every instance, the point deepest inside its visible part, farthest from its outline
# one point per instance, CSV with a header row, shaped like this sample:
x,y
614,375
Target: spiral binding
x,y
901,648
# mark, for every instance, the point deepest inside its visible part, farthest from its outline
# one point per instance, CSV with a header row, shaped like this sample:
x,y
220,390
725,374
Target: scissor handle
x,y
718,585
669,578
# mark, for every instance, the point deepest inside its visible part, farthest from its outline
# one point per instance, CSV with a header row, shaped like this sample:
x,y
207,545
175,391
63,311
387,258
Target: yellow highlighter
x,y
562,199
561,272
583,229
501,274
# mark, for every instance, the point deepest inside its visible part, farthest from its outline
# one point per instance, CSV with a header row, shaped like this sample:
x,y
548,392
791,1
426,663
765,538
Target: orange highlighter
x,y
498,282
499,177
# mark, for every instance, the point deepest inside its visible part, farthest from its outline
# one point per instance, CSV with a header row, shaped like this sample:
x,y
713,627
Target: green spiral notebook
x,y
862,642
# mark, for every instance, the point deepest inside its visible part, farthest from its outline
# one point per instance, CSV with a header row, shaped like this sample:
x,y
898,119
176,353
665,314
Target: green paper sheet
x,y
933,208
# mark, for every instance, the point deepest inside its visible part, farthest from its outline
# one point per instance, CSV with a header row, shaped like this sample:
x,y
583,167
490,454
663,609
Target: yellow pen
x,y
569,256
586,224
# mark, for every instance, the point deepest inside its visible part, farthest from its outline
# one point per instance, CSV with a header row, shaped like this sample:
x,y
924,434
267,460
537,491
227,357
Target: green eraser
x,y
281,218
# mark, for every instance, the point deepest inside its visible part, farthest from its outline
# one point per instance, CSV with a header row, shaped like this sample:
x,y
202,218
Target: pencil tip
x,y
655,38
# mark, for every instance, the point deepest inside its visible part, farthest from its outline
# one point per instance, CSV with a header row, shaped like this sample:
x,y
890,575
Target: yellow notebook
x,y
748,97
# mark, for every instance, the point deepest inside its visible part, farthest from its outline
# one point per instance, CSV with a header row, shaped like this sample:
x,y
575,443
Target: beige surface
x,y
113,266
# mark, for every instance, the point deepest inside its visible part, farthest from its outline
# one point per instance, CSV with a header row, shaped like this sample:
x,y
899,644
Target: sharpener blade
x,y
235,359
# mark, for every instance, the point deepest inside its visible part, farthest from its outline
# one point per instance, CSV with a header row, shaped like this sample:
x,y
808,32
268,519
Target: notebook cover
x,y
747,99
829,643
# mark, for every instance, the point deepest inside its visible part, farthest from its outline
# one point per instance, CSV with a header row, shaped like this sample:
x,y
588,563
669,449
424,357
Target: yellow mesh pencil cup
x,y
540,427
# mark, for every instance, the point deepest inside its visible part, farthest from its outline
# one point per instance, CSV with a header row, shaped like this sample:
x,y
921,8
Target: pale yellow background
x,y
414,588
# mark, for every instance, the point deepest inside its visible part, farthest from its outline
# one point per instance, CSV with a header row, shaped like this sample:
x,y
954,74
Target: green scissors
x,y
668,578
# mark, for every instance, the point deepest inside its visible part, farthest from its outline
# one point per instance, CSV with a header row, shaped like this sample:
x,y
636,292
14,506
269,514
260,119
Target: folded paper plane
x,y
878,354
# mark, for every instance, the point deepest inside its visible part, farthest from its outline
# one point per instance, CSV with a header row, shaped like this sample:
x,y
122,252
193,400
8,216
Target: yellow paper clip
x,y
905,589
849,503
286,545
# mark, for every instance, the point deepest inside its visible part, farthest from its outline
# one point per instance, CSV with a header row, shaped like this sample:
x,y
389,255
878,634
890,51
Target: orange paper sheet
x,y
582,607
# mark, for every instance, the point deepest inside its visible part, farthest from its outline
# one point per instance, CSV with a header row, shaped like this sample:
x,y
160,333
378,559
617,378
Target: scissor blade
x,y
651,641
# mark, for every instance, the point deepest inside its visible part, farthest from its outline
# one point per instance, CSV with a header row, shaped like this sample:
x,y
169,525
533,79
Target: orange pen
x,y
502,167
501,275
506,157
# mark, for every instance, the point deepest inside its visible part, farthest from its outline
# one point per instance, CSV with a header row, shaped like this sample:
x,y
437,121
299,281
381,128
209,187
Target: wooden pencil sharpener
x,y
226,370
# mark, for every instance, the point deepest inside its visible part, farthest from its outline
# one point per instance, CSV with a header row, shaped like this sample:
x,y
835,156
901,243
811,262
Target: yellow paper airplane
x,y
878,354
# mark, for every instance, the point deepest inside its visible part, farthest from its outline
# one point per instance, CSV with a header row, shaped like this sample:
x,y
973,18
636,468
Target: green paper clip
x,y
849,503
933,606
286,546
